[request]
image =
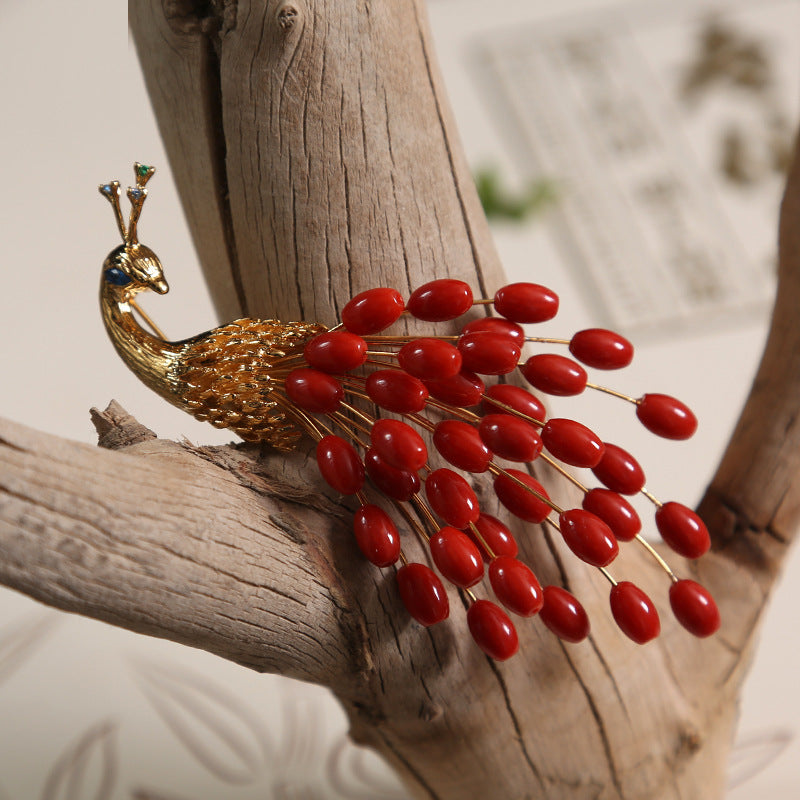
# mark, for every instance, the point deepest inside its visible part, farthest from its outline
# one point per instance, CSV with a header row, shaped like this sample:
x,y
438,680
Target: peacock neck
x,y
153,360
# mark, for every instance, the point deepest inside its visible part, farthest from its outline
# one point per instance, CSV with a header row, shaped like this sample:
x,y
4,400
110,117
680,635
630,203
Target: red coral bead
x,y
634,612
527,505
340,465
521,400
460,445
488,353
602,349
440,300
694,607
492,630
682,530
336,351
395,483
398,444
510,437
462,390
429,359
376,535
313,390
564,615
372,311
496,535
588,537
396,391
555,374
496,325
515,586
456,557
619,470
451,497
665,416
572,443
526,302
615,511
423,594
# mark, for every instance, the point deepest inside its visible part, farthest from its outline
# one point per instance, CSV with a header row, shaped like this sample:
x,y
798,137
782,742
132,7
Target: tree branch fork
x,y
206,546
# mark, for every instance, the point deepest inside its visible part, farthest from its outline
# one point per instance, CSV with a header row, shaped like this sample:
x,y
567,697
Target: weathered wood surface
x,y
316,157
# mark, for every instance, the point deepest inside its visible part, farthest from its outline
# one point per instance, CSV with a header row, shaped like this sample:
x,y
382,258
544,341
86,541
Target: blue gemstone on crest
x,y
107,189
135,194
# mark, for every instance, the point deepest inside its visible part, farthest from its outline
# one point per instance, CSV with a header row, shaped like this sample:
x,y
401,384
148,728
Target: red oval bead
x,y
440,300
510,437
615,511
496,325
634,612
694,607
619,470
398,444
515,586
526,302
340,465
395,483
335,351
521,400
572,443
524,504
496,535
555,374
313,390
456,557
462,390
602,349
588,537
665,416
460,445
682,530
396,391
451,497
492,630
372,311
423,594
488,353
564,615
429,359
376,535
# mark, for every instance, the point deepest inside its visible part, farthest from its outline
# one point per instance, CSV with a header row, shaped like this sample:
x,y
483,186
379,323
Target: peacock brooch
x,y
367,397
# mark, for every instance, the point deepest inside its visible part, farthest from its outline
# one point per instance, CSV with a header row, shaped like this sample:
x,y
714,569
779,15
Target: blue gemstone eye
x,y
115,276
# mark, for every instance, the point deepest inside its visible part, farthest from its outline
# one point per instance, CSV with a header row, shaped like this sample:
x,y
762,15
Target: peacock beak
x,y
160,286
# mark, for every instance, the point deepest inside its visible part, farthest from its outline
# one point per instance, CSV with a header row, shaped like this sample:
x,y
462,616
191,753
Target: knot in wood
x,y
209,17
430,712
287,16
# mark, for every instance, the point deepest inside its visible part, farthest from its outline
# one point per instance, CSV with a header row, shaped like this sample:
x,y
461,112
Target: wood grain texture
x,y
322,131
198,553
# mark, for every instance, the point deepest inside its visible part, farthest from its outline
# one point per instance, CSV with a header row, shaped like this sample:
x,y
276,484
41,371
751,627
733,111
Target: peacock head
x,y
132,267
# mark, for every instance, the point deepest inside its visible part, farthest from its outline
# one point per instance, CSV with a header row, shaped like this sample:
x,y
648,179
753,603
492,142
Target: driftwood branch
x,y
316,156
753,502
202,552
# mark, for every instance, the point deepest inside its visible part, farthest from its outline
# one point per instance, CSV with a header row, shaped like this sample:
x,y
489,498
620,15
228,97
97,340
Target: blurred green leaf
x,y
500,203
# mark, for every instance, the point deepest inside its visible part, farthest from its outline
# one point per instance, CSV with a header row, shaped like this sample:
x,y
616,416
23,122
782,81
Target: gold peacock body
x,y
226,376
272,382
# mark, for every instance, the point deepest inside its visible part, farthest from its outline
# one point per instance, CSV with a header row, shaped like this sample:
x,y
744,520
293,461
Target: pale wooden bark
x,y
321,131
202,552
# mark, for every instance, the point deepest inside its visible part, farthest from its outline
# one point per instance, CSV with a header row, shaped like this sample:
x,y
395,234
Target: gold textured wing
x,y
233,377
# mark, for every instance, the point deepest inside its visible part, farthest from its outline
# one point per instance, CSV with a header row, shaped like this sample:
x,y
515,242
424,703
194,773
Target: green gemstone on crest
x,y
142,170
